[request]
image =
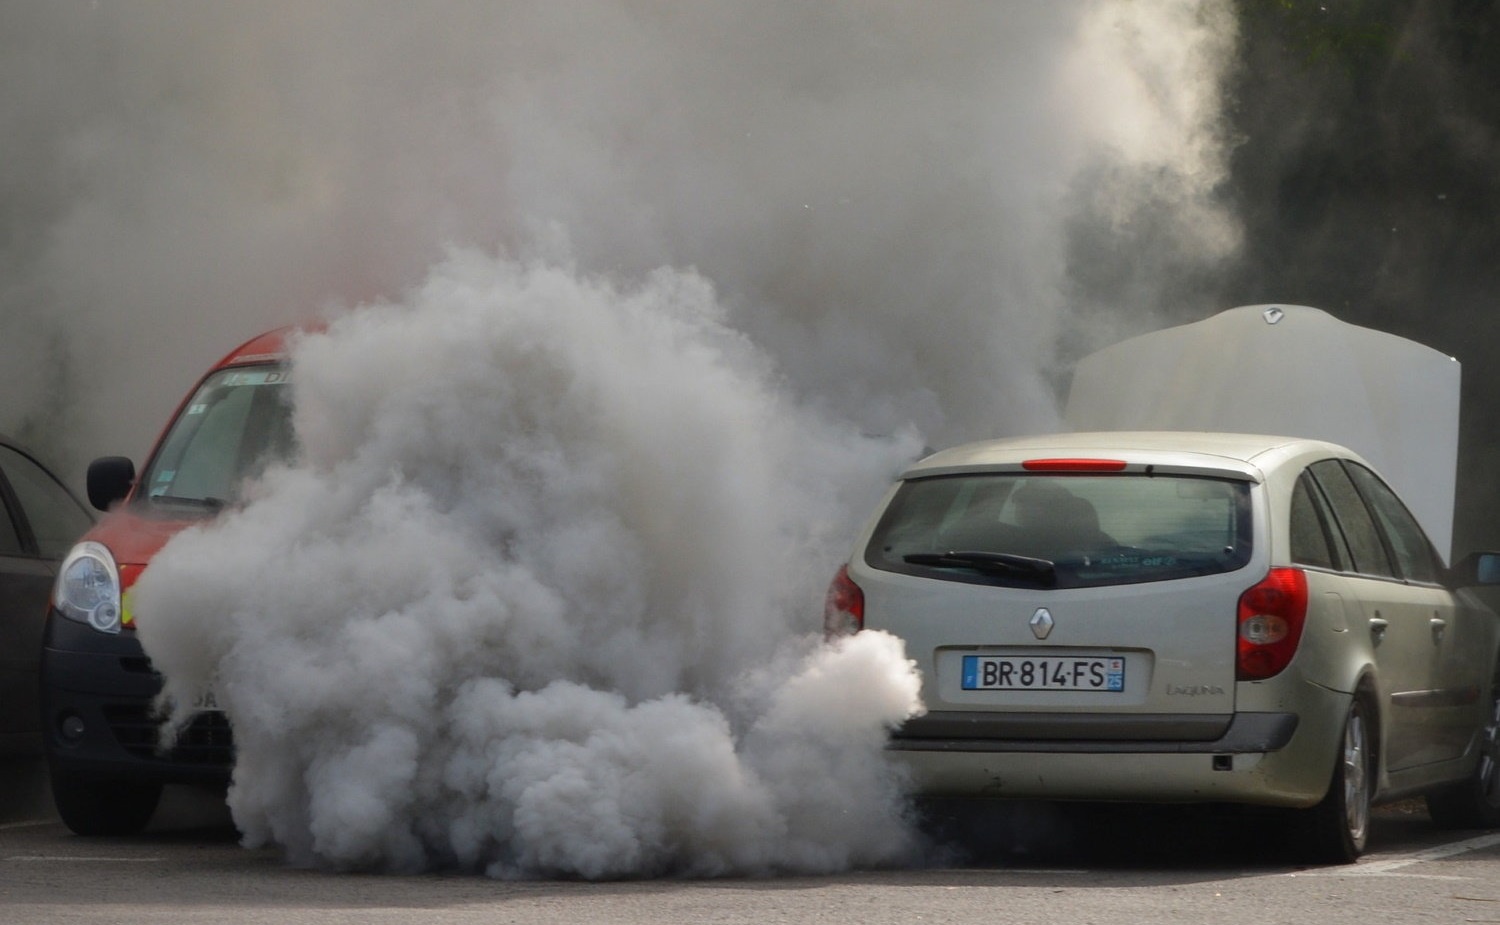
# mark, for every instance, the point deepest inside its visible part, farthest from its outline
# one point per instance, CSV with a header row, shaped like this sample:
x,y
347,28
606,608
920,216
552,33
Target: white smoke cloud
x,y
879,191
1150,229
537,598
534,599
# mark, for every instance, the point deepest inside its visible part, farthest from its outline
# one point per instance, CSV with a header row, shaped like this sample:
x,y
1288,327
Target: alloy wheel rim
x,y
1489,755
1356,777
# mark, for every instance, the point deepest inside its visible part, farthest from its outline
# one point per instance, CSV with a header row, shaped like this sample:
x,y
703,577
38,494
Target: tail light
x,y
844,607
1271,616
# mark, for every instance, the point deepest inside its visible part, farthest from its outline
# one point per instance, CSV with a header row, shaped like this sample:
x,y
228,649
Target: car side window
x,y
10,540
56,519
1414,554
1310,529
1366,548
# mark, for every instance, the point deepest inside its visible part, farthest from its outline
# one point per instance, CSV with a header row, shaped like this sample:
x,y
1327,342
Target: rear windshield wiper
x,y
994,563
211,504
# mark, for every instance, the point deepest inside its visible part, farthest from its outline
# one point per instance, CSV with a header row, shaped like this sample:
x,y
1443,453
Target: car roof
x,y
269,347
21,448
1238,455
24,450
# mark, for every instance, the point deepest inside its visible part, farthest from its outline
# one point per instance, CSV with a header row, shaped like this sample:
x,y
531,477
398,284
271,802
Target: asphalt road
x,y
1031,864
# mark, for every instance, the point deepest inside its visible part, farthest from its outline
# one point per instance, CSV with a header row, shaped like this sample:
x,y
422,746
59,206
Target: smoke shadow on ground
x,y
1026,833
195,813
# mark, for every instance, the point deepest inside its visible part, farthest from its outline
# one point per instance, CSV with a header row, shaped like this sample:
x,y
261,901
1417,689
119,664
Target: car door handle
x,y
1378,628
1439,627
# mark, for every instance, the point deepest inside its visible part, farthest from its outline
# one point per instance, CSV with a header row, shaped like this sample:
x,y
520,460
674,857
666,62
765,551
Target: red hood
x,y
134,536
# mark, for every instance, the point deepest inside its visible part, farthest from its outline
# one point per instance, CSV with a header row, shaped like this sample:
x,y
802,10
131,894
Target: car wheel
x,y
1336,830
1475,803
91,807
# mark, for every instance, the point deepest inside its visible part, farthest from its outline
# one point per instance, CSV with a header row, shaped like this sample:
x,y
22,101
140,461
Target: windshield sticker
x,y
197,409
258,377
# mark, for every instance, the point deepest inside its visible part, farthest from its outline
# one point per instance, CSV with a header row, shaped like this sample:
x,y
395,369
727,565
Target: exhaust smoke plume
x,y
533,602
633,285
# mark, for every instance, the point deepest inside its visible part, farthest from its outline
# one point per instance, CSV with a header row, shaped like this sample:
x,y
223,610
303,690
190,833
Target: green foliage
x,y
1353,35
1365,178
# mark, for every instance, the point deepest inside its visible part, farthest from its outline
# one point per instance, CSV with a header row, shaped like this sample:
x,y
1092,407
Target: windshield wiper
x,y
1042,571
211,504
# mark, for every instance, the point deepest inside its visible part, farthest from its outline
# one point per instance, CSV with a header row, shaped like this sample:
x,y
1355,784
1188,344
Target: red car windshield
x,y
237,422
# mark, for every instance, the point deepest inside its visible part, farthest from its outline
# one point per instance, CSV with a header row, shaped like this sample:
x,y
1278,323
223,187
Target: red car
x,y
100,735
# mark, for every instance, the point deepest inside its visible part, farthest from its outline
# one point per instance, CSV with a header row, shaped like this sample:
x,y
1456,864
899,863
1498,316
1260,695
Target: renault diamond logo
x,y
1041,623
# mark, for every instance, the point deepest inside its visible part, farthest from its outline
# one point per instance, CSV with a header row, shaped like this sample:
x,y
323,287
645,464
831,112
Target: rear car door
x,y
39,520
1407,619
1456,665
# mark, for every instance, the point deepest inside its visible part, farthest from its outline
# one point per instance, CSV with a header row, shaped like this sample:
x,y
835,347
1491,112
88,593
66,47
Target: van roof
x,y
269,347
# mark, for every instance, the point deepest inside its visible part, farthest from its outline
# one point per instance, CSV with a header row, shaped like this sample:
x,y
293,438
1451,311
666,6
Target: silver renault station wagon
x,y
1182,617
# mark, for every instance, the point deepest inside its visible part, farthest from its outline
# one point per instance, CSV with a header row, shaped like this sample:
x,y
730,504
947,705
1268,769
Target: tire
x,y
1475,802
1336,830
90,807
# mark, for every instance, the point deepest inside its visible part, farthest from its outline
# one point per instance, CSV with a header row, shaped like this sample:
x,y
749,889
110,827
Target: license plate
x,y
204,701
1044,673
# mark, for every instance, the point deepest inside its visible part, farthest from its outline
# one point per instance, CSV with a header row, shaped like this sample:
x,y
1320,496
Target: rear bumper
x,y
97,717
1237,733
1270,759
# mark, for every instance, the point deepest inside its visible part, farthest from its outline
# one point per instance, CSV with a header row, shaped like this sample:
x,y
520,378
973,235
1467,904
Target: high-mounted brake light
x,y
1271,616
844,607
1073,465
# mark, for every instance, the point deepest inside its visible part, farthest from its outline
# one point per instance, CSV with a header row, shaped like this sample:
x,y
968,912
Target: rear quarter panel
x,y
1336,649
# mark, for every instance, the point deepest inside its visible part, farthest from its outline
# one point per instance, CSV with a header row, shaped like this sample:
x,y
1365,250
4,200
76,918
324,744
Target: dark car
x,y
39,520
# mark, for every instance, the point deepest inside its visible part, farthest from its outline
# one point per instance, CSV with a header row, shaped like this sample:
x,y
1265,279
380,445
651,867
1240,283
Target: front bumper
x,y
98,722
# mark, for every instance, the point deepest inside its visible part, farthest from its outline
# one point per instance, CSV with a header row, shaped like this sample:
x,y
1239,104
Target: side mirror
x,y
1477,568
109,480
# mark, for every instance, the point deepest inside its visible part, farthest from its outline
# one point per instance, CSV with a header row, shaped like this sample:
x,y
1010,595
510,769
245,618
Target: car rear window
x,y
1064,530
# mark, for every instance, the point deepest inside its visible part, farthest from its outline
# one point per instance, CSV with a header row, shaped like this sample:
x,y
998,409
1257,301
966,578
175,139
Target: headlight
x,y
88,588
